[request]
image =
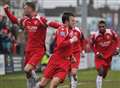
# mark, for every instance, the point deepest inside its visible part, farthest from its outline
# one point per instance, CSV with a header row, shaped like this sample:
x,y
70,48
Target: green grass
x,y
86,80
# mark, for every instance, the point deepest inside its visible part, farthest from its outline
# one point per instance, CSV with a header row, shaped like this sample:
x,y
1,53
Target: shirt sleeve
x,y
12,18
43,21
54,24
109,52
116,38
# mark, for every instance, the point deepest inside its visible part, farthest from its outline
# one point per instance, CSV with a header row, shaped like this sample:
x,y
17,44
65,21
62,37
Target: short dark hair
x,y
66,16
101,22
31,4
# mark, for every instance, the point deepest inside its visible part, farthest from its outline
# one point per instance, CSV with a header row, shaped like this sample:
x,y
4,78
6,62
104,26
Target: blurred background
x,y
88,12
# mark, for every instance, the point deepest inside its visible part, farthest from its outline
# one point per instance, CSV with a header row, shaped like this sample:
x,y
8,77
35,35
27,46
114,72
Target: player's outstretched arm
x,y
54,24
45,23
12,18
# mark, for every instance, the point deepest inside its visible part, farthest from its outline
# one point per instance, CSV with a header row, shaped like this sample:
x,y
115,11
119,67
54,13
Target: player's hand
x,y
117,51
83,53
74,39
6,6
100,55
73,59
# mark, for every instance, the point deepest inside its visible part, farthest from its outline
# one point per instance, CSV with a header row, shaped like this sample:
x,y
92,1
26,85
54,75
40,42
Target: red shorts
x,y
57,67
105,63
76,64
33,57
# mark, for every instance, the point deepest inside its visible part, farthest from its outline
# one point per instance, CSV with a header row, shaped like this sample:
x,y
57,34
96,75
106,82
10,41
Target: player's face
x,y
27,10
102,27
72,21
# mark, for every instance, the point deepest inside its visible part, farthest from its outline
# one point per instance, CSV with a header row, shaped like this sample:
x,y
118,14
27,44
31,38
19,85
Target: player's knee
x,y
28,68
104,76
53,85
74,76
101,72
40,85
43,82
55,82
73,72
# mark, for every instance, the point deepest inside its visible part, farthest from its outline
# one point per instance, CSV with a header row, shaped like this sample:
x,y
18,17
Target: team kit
x,y
69,44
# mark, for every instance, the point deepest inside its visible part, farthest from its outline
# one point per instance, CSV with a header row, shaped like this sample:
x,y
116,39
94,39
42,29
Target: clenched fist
x,y
100,55
6,6
74,39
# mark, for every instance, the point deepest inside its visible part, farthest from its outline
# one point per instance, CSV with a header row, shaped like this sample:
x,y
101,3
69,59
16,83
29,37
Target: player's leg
x,y
30,75
102,67
48,73
28,70
74,69
107,66
59,77
32,60
99,63
43,82
60,74
99,77
30,64
73,77
102,73
106,72
55,82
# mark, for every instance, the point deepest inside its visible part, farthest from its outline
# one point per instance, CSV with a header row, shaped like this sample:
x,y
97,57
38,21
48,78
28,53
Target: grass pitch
x,y
86,79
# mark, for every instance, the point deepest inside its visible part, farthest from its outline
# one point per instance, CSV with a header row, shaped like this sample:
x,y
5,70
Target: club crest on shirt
x,y
62,33
105,44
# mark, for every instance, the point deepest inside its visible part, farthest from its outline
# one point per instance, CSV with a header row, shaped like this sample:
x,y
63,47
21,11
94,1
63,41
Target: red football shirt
x,y
79,45
36,33
36,29
63,45
105,43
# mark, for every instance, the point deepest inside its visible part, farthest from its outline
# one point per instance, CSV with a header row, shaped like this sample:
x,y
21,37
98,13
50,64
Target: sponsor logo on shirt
x,y
105,44
32,28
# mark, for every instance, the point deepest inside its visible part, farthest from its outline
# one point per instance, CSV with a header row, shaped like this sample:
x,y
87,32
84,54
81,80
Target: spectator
x,y
2,21
7,39
1,48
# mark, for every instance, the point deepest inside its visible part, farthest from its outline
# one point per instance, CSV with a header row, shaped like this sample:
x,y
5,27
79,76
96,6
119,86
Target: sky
x,y
114,4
